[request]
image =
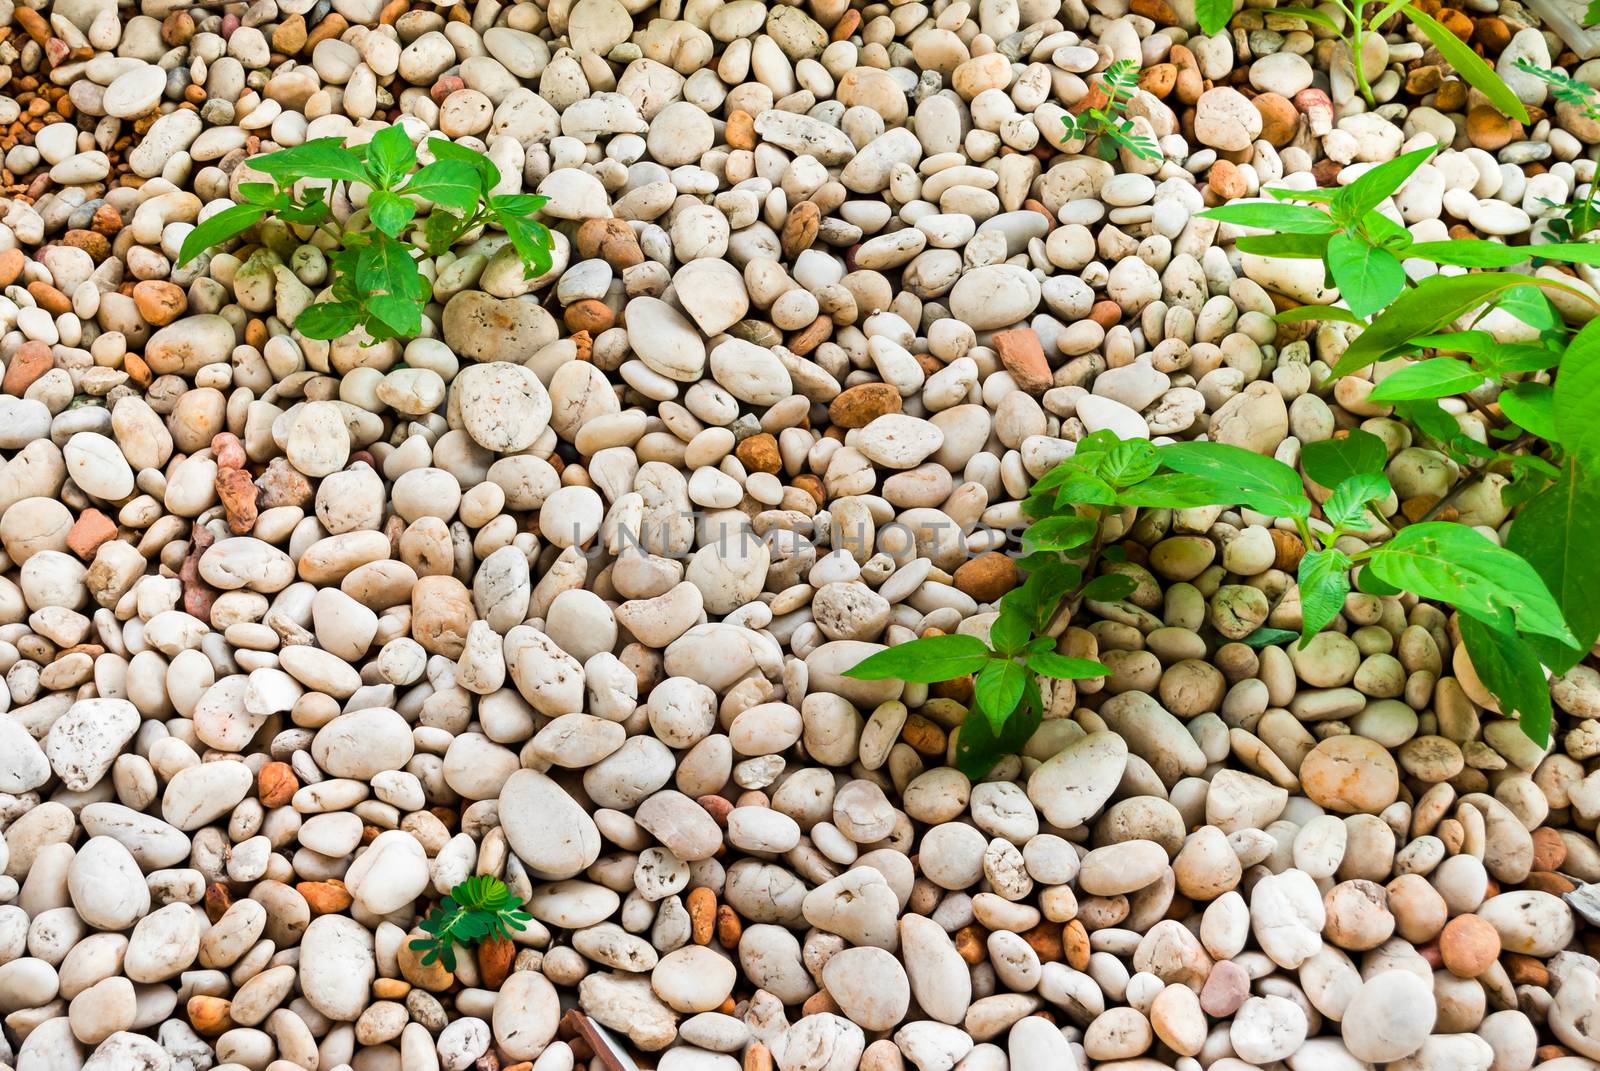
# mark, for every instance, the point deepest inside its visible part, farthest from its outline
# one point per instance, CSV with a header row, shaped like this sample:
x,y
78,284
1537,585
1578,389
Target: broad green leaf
x,y
521,204
228,223
1324,579
1367,192
1531,407
1468,64
1424,309
327,319
998,689
1176,490
924,661
1084,489
1557,533
265,194
1267,637
390,212
1058,533
978,747
1213,15
1262,483
1046,586
488,173
399,316
1469,253
324,158
1570,252
390,157
1128,462
1109,588
386,267
1291,246
440,230
1067,669
452,183
1576,388
1458,565
1368,278
1530,305
1277,218
1509,669
1436,377
1347,506
1370,583
531,240
1317,312
1010,631
1429,417
1332,461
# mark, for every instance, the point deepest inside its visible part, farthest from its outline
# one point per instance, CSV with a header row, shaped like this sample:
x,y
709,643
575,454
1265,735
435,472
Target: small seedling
x,y
479,909
1106,128
1580,217
377,280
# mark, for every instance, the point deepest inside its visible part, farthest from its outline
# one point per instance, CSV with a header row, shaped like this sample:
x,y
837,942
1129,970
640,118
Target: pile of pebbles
x,y
297,635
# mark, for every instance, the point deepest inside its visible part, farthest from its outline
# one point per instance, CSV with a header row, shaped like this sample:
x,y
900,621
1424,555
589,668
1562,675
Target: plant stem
x,y
1356,41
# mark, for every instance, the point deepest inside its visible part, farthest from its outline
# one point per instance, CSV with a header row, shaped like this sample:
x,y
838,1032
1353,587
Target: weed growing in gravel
x,y
1105,128
478,909
1363,18
1580,217
377,281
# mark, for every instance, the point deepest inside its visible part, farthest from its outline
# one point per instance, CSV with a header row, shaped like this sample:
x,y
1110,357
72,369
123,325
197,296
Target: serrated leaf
x,y
390,157
1010,631
1347,506
488,174
1128,462
927,660
390,212
1058,533
323,158
1324,579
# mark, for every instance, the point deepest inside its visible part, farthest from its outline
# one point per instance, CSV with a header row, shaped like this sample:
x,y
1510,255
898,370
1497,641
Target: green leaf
x,y
1347,506
385,266
1332,461
1317,312
1367,192
518,204
440,230
998,689
390,212
1292,246
1557,533
1470,253
1316,197
979,747
924,661
1010,632
1436,377
1315,17
1263,484
328,319
1085,489
1511,672
1324,579
400,317
1066,669
452,183
1267,637
1368,278
531,240
1468,64
1277,218
1435,303
1046,586
1570,252
1429,417
488,174
1530,305
1058,533
1173,490
390,157
1128,462
1213,15
1531,407
324,158
1109,588
265,194
219,228
1576,388
1460,566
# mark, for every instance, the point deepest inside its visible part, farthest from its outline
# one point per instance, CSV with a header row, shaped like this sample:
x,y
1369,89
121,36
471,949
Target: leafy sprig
x,y
479,909
1105,127
377,281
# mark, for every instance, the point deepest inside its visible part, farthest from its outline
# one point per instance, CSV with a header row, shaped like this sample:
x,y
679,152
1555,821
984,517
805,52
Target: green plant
x,y
377,280
1578,218
1363,18
1505,606
479,909
1363,249
1105,127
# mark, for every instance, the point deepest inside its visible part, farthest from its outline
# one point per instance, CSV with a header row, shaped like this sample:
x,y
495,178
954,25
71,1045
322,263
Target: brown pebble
x,y
1468,946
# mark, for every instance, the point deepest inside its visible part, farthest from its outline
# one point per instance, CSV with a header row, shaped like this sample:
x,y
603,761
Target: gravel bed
x,y
298,635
